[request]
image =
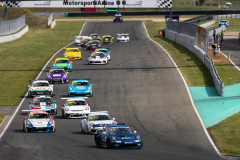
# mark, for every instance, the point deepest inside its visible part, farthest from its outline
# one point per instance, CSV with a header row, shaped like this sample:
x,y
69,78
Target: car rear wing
x,y
75,98
60,57
74,48
123,34
81,37
35,110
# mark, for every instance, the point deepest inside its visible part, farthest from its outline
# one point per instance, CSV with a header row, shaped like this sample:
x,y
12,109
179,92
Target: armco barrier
x,y
50,18
12,26
205,25
14,36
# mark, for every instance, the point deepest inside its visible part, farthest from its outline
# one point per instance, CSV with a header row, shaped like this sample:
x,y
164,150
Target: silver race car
x,y
97,58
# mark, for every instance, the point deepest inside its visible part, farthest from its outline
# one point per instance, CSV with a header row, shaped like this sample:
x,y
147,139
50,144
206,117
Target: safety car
x,y
118,18
224,22
38,121
80,87
92,45
107,39
124,37
97,58
95,121
78,39
57,75
43,103
105,51
40,87
95,36
62,63
75,107
73,53
118,136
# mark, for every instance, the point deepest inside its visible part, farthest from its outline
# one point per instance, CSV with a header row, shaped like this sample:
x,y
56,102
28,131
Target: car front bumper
x,y
40,129
33,93
73,94
97,62
126,144
75,114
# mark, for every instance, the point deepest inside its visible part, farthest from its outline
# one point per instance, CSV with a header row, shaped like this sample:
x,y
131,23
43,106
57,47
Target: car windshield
x,y
78,39
56,71
99,117
38,116
86,40
223,21
40,84
76,103
94,35
123,36
80,83
95,43
62,61
98,54
72,50
117,130
47,100
105,51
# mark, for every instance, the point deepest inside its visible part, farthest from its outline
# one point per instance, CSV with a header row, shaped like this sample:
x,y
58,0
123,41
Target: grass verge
x,y
23,59
194,71
1,118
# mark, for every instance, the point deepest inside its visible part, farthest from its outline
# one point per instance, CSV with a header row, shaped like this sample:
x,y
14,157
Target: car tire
x,y
87,130
108,144
56,111
97,141
52,95
29,96
81,129
63,116
26,130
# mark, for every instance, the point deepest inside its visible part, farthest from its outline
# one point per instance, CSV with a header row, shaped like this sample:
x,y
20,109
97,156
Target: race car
x,y
57,75
95,44
95,121
95,36
85,41
80,87
38,121
118,18
105,51
40,87
75,107
73,53
62,63
78,39
97,58
107,39
118,136
43,103
224,22
124,37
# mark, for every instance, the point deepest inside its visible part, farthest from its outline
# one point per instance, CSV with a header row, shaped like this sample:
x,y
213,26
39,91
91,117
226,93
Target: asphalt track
x,y
140,87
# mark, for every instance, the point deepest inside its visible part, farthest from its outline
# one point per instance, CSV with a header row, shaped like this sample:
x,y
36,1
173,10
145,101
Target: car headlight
x,y
91,124
49,76
52,105
78,53
65,54
87,108
89,88
49,89
31,89
65,76
67,109
28,122
50,121
54,65
114,138
138,137
68,65
70,89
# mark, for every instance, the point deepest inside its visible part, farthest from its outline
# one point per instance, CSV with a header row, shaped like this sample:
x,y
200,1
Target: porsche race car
x,y
80,87
118,136
57,75
105,51
43,103
95,36
75,107
97,58
40,87
95,121
92,45
38,121
85,41
224,22
107,39
62,63
118,18
73,53
124,37
78,39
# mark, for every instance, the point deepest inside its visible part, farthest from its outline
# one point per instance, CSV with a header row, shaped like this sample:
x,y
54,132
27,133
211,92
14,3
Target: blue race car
x,y
62,63
224,22
105,51
80,87
118,136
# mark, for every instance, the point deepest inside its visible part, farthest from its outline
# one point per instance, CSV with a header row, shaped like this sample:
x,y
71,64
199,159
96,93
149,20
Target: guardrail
x,y
12,26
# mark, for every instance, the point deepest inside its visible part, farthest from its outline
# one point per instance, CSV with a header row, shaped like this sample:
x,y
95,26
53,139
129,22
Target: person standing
x,y
222,36
214,34
239,37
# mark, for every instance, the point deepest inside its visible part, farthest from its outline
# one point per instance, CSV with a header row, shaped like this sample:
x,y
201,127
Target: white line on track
x,y
234,65
199,117
20,104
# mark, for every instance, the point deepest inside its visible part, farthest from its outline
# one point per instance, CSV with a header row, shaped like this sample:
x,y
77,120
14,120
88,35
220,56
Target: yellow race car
x,y
73,53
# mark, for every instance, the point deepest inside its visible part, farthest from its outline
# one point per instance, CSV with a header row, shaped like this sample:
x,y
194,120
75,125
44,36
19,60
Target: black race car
x,y
118,18
95,44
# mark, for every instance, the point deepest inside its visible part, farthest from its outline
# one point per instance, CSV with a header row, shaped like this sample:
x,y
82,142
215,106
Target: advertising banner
x,y
90,4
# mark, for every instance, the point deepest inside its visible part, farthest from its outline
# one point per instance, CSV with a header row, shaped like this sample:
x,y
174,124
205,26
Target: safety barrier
x,y
182,28
205,25
14,36
52,25
50,16
12,26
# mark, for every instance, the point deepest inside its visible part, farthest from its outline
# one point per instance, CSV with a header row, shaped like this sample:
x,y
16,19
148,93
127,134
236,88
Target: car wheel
x,y
97,141
81,129
87,130
108,144
52,95
26,130
29,96
23,128
63,116
56,110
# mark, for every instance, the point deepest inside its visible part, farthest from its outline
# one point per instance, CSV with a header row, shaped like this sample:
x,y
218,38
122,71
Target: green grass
x,y
226,135
1,118
23,59
193,70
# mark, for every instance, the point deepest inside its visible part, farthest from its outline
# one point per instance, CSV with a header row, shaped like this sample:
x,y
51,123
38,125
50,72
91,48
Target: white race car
x,y
75,107
40,87
78,39
124,37
97,58
95,121
43,103
38,121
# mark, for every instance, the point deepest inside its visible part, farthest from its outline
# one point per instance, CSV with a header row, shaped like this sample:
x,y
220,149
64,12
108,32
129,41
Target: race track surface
x,y
139,87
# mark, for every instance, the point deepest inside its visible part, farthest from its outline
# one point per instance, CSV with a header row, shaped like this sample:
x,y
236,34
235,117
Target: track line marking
x,y
234,65
189,94
20,104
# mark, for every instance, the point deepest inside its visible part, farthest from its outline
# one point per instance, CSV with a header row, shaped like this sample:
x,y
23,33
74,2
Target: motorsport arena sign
x,y
90,4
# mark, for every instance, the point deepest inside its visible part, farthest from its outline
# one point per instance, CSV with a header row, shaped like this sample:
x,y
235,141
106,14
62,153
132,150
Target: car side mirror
x,y
51,85
135,132
52,117
24,118
63,51
104,133
89,104
29,86
55,101
67,72
63,105
114,119
29,102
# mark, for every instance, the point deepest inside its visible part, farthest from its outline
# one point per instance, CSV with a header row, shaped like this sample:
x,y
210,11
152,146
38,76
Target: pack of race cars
x,y
108,133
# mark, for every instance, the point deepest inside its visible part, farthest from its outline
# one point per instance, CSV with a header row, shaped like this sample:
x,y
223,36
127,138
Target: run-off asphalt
x,y
139,87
